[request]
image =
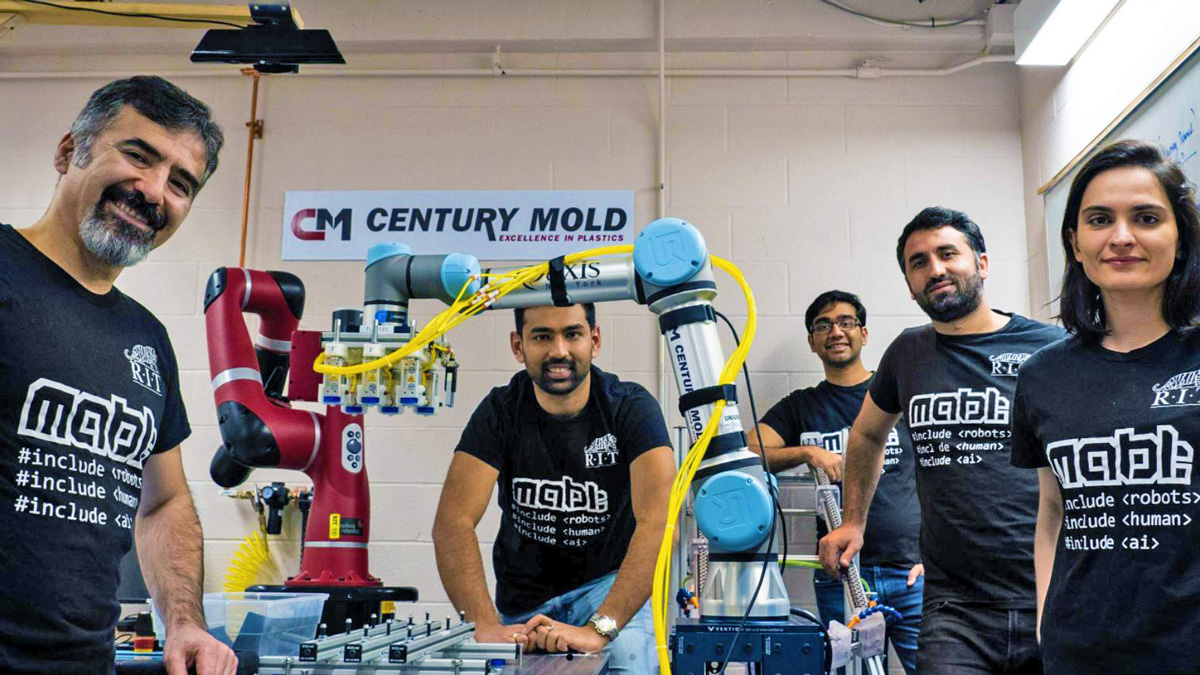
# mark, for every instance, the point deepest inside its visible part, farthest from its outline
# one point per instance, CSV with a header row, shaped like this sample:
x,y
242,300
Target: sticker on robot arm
x,y
346,527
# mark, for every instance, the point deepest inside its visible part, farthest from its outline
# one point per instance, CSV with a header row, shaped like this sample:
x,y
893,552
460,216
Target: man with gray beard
x,y
953,381
91,417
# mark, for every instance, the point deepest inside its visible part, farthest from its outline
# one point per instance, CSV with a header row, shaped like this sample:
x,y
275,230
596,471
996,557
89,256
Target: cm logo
x,y
325,220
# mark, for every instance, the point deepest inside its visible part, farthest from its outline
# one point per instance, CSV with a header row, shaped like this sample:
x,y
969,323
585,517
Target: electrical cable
x,y
818,566
772,488
933,22
750,605
661,590
779,511
771,485
801,612
462,309
136,15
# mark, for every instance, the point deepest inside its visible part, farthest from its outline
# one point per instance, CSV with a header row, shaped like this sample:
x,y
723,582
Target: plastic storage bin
x,y
270,624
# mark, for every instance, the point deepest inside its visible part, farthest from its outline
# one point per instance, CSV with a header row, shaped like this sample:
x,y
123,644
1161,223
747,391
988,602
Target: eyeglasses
x,y
845,323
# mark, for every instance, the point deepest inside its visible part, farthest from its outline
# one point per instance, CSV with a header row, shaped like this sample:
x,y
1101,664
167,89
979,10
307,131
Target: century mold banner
x,y
489,224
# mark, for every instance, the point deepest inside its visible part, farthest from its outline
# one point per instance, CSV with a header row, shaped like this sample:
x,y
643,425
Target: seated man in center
x,y
585,468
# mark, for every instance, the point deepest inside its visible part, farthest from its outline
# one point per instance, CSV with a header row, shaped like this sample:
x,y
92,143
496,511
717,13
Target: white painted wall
x,y
1064,109
804,184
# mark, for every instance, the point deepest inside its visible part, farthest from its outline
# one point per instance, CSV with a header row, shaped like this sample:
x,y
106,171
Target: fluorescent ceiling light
x,y
1051,32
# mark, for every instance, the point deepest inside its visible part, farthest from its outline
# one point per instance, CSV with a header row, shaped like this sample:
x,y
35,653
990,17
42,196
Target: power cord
x,y
766,469
932,23
774,490
139,15
804,613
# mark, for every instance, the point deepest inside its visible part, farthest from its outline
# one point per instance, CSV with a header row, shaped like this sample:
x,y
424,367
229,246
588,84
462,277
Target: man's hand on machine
x,y
498,633
191,645
820,458
838,548
554,636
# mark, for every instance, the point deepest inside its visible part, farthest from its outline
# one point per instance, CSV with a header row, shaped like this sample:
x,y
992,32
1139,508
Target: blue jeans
x,y
963,639
632,652
891,585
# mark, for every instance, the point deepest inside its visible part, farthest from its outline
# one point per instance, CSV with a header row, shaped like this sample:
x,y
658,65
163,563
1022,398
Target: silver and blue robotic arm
x,y
672,273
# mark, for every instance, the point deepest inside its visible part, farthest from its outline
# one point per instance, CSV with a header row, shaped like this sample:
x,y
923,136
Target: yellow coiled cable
x,y
251,564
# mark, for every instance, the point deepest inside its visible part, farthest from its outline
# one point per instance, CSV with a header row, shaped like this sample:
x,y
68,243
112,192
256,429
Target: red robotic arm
x,y
258,428
261,429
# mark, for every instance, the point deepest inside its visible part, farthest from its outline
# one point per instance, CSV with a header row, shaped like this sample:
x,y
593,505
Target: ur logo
x,y
667,248
325,220
143,361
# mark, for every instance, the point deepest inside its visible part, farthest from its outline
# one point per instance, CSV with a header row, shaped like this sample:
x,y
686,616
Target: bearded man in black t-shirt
x,y
584,467
809,426
91,417
953,382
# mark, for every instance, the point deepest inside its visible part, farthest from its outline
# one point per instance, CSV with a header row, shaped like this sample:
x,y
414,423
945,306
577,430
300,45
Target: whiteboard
x,y
1168,117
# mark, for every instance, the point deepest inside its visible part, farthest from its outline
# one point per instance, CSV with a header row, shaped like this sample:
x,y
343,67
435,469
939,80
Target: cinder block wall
x,y
803,183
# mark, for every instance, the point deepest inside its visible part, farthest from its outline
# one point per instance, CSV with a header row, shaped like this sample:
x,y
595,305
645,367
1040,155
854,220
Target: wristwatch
x,y
604,625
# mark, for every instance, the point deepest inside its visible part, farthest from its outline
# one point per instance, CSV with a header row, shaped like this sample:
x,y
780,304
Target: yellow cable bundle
x,y
463,309
661,591
251,564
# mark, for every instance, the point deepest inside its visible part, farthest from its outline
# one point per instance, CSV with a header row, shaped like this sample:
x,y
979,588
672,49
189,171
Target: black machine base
x,y
792,648
356,603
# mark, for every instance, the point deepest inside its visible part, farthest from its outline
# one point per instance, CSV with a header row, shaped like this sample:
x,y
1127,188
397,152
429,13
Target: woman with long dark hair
x,y
1110,416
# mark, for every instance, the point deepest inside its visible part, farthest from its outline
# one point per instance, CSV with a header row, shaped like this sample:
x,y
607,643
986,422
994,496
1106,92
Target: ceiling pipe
x,y
861,73
664,367
255,127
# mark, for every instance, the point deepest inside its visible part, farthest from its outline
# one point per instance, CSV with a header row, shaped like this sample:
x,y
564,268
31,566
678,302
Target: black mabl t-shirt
x,y
564,483
1120,431
89,389
977,510
822,416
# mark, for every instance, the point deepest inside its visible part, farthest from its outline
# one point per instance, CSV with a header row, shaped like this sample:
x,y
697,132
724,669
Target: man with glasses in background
x,y
809,426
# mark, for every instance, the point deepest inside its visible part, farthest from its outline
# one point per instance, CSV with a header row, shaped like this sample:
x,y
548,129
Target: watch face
x,y
605,624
